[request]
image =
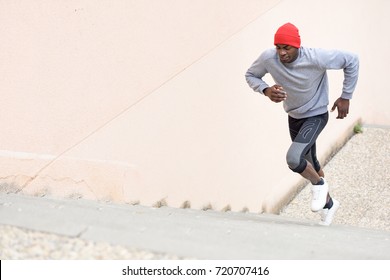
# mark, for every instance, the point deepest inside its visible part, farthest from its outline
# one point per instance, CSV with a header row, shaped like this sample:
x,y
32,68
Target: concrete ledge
x,y
106,180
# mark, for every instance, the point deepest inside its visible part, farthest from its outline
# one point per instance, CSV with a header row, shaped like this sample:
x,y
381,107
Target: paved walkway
x,y
49,228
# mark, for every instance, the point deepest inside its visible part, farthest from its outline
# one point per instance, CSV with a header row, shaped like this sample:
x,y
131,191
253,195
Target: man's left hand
x,y
342,107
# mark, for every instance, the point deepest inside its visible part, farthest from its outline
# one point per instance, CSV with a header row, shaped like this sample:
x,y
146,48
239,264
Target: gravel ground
x,y
359,176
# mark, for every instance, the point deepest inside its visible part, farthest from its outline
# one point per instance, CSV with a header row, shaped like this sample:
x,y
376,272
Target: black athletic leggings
x,y
304,133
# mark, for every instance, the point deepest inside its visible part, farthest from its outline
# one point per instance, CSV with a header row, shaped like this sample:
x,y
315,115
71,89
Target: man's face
x,y
287,53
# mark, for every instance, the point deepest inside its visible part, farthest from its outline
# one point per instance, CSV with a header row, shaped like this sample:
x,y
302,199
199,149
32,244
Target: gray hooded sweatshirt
x,y
305,79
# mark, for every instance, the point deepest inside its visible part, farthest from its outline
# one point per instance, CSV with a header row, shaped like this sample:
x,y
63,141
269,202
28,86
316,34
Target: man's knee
x,y
295,159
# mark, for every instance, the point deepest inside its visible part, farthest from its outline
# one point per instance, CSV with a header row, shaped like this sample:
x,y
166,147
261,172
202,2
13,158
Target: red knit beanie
x,y
288,34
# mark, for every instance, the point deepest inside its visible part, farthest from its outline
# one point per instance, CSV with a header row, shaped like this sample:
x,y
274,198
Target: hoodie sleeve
x,y
254,75
348,62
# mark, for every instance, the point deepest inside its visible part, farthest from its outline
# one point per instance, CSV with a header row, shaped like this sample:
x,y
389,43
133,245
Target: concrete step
x,y
192,233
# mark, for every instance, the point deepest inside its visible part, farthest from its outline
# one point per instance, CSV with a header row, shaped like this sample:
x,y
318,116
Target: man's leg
x,y
331,206
302,159
311,157
311,174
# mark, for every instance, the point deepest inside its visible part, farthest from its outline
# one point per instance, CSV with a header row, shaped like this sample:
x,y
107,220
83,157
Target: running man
x,y
301,83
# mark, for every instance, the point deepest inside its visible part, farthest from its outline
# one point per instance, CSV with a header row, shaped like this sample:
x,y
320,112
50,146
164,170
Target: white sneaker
x,y
319,195
327,215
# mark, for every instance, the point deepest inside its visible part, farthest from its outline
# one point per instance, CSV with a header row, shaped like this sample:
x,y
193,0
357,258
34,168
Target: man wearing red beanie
x,y
301,83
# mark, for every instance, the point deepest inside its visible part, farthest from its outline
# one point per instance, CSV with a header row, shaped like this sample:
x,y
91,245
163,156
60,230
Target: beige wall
x,y
146,102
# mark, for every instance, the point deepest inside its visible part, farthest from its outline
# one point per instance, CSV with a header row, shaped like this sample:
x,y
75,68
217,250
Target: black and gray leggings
x,y
304,133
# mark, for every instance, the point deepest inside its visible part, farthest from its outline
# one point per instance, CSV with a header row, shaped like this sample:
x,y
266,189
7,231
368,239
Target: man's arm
x,y
254,76
349,63
351,74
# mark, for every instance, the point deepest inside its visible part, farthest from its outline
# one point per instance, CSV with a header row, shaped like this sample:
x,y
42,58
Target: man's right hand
x,y
276,93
